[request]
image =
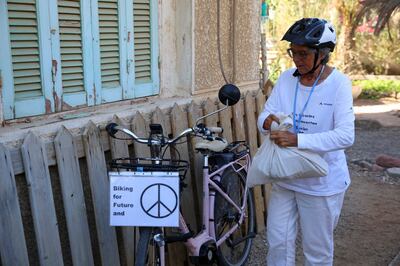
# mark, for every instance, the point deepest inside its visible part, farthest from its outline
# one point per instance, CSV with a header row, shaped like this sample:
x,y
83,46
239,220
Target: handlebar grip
x,y
111,129
216,129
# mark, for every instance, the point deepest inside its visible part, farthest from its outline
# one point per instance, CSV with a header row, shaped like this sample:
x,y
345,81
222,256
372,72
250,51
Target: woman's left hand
x,y
284,138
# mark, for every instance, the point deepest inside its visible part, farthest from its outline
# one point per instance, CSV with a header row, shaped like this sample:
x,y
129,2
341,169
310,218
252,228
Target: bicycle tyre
x,y
147,251
226,216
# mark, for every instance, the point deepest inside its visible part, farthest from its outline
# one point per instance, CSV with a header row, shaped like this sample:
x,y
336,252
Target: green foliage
x,y
274,71
375,89
379,55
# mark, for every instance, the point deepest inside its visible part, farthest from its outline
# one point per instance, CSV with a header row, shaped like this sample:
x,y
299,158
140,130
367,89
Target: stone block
x,y
387,161
393,172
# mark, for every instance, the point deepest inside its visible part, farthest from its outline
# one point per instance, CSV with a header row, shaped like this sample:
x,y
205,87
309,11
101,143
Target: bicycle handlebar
x,y
113,128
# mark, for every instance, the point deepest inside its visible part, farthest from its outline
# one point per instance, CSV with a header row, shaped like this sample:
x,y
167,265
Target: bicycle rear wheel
x,y
147,251
236,249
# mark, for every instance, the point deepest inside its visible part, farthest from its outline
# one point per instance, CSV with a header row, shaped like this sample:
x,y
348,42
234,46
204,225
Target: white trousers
x,y
317,217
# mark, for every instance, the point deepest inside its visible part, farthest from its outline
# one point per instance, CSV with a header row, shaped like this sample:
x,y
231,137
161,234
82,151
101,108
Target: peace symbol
x,y
163,205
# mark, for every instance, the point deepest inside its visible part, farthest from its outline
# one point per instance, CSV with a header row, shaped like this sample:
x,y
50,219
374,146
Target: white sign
x,y
144,199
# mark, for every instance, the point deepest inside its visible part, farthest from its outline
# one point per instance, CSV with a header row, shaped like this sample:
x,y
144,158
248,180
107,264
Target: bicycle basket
x,y
138,164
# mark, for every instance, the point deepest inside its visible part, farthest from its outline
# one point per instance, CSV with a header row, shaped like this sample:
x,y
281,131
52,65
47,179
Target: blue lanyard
x,y
295,126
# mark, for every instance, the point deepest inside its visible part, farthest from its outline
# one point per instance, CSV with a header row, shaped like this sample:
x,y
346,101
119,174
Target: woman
x,y
320,100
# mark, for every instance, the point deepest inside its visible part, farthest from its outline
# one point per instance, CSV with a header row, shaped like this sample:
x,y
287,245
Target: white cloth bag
x,y
273,163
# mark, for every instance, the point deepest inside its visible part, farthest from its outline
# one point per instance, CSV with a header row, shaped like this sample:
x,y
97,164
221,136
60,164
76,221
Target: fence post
x,y
42,202
13,246
99,185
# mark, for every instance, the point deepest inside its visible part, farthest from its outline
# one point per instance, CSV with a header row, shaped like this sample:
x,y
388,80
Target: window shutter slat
x,y
142,39
22,19
109,43
69,15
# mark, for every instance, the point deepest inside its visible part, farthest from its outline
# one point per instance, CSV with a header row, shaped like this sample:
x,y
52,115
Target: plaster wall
x,y
189,66
239,43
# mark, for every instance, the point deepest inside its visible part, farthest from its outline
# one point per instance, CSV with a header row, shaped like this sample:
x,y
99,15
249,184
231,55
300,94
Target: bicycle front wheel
x,y
236,249
147,251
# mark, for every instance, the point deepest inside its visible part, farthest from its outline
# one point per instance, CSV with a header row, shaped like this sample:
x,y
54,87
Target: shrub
x,y
375,89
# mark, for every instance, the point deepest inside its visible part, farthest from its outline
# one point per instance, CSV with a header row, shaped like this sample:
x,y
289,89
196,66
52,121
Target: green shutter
x,y
69,15
142,34
109,43
24,39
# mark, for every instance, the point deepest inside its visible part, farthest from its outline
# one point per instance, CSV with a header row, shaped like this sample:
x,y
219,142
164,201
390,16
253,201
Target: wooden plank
x,y
141,129
13,251
266,189
51,154
238,121
225,120
179,122
73,198
251,122
99,185
119,149
196,159
260,101
41,198
251,132
209,107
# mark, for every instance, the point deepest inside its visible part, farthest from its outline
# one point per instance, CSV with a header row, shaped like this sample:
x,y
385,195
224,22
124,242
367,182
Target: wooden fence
x,y
55,203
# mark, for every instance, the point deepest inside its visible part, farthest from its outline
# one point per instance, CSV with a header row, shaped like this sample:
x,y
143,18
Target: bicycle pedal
x,y
240,240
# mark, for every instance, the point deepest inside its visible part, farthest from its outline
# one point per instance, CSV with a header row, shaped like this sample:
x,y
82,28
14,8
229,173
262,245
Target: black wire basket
x,y
138,164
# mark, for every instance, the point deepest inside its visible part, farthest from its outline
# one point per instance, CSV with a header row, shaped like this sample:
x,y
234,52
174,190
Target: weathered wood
x,y
238,121
17,161
159,117
260,101
251,128
141,129
179,122
225,120
119,149
266,189
249,104
41,199
73,198
196,159
209,107
12,246
99,185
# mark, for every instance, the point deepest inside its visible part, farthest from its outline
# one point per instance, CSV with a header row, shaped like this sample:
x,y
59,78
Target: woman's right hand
x,y
268,121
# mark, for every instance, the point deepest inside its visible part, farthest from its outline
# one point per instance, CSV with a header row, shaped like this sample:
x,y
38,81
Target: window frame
x,y
53,98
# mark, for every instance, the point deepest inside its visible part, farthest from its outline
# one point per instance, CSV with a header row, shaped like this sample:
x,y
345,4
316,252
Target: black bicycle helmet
x,y
312,32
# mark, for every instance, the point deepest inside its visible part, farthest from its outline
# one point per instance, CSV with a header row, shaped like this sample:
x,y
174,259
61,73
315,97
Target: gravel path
x,y
369,229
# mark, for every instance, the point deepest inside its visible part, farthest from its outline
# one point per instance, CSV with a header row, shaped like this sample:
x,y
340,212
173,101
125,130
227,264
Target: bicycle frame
x,y
194,244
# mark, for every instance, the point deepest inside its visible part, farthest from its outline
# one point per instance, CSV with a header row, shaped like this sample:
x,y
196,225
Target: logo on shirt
x,y
325,104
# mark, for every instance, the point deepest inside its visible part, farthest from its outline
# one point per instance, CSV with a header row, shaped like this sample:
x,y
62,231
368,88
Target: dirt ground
x,y
368,232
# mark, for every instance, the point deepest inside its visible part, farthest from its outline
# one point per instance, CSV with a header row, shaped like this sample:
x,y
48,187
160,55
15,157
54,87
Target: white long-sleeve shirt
x,y
327,127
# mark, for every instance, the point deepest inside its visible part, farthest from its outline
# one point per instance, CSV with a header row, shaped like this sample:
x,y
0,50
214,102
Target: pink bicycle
x,y
228,219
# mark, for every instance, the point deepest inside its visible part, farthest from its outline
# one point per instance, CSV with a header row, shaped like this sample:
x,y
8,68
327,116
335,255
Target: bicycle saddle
x,y
213,145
